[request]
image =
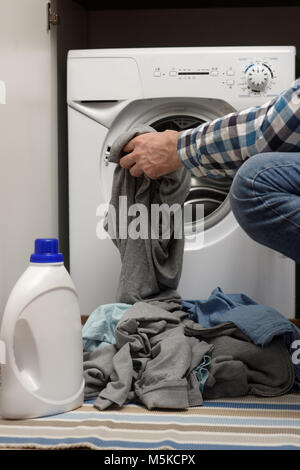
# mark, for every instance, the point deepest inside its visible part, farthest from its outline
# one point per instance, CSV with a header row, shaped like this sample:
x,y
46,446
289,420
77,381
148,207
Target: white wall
x,y
28,136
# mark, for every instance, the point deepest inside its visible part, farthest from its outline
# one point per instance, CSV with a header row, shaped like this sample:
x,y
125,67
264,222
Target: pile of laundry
x,y
154,348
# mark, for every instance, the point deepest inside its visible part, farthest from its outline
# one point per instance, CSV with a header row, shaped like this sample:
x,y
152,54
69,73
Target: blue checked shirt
x,y
219,148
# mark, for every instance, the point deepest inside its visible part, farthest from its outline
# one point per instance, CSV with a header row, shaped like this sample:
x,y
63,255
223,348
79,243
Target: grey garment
x,y
116,151
151,264
96,377
240,367
154,362
226,379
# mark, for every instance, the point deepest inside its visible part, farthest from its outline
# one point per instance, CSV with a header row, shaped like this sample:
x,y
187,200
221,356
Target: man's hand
x,y
153,154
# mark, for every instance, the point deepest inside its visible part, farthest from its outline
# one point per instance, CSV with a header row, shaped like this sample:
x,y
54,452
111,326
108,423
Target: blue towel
x,y
99,329
259,322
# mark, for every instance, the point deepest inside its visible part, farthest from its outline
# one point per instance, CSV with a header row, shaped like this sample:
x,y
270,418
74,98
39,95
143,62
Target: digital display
x,y
193,73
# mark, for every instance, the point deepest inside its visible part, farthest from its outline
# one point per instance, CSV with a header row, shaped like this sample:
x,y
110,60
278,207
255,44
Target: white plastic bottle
x,y
41,341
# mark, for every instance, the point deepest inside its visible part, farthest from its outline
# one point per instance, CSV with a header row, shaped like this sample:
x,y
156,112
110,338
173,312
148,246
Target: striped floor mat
x,y
247,423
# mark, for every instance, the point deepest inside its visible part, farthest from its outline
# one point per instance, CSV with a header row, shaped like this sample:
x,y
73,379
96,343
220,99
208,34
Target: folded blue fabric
x,y
261,323
200,311
99,329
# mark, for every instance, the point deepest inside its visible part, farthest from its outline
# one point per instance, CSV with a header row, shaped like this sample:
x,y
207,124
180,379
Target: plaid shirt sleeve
x,y
219,148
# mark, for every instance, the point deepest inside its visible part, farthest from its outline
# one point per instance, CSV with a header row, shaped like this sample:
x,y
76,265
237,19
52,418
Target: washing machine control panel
x,y
243,76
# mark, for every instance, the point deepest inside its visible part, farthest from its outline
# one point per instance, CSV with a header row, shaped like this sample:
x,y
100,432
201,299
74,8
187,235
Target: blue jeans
x,y
265,199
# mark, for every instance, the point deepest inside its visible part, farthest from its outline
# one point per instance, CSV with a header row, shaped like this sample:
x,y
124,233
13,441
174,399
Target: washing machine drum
x,y
212,193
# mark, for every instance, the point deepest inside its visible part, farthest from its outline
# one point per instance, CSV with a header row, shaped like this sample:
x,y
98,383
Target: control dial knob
x,y
258,77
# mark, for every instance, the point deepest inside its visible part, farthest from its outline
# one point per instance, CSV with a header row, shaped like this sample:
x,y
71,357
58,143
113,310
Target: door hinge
x,y
52,17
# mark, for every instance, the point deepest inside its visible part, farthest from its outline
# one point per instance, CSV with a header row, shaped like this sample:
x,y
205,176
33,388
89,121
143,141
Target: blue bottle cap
x,y
46,251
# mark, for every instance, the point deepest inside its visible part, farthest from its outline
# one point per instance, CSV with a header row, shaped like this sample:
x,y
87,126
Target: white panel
x,y
103,79
28,136
111,74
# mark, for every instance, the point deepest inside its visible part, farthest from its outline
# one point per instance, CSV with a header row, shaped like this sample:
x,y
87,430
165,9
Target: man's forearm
x,y
219,148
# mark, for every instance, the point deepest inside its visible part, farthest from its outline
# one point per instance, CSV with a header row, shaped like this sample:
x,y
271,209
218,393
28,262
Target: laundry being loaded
x,y
168,353
151,265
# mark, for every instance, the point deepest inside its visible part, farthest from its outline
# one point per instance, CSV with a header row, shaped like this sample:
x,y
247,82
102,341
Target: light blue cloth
x,y
202,371
99,329
261,323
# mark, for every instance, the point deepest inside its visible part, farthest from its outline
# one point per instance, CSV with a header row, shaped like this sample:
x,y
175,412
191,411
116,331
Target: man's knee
x,y
242,186
257,176
243,192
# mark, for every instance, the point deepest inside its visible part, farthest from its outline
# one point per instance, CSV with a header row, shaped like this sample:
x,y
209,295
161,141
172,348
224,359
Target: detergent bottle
x,y
41,341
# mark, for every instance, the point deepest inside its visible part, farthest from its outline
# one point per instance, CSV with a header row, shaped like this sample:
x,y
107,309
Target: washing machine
x,y
112,90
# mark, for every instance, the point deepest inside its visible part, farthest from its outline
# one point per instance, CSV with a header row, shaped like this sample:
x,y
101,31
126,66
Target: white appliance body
x,y
112,90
